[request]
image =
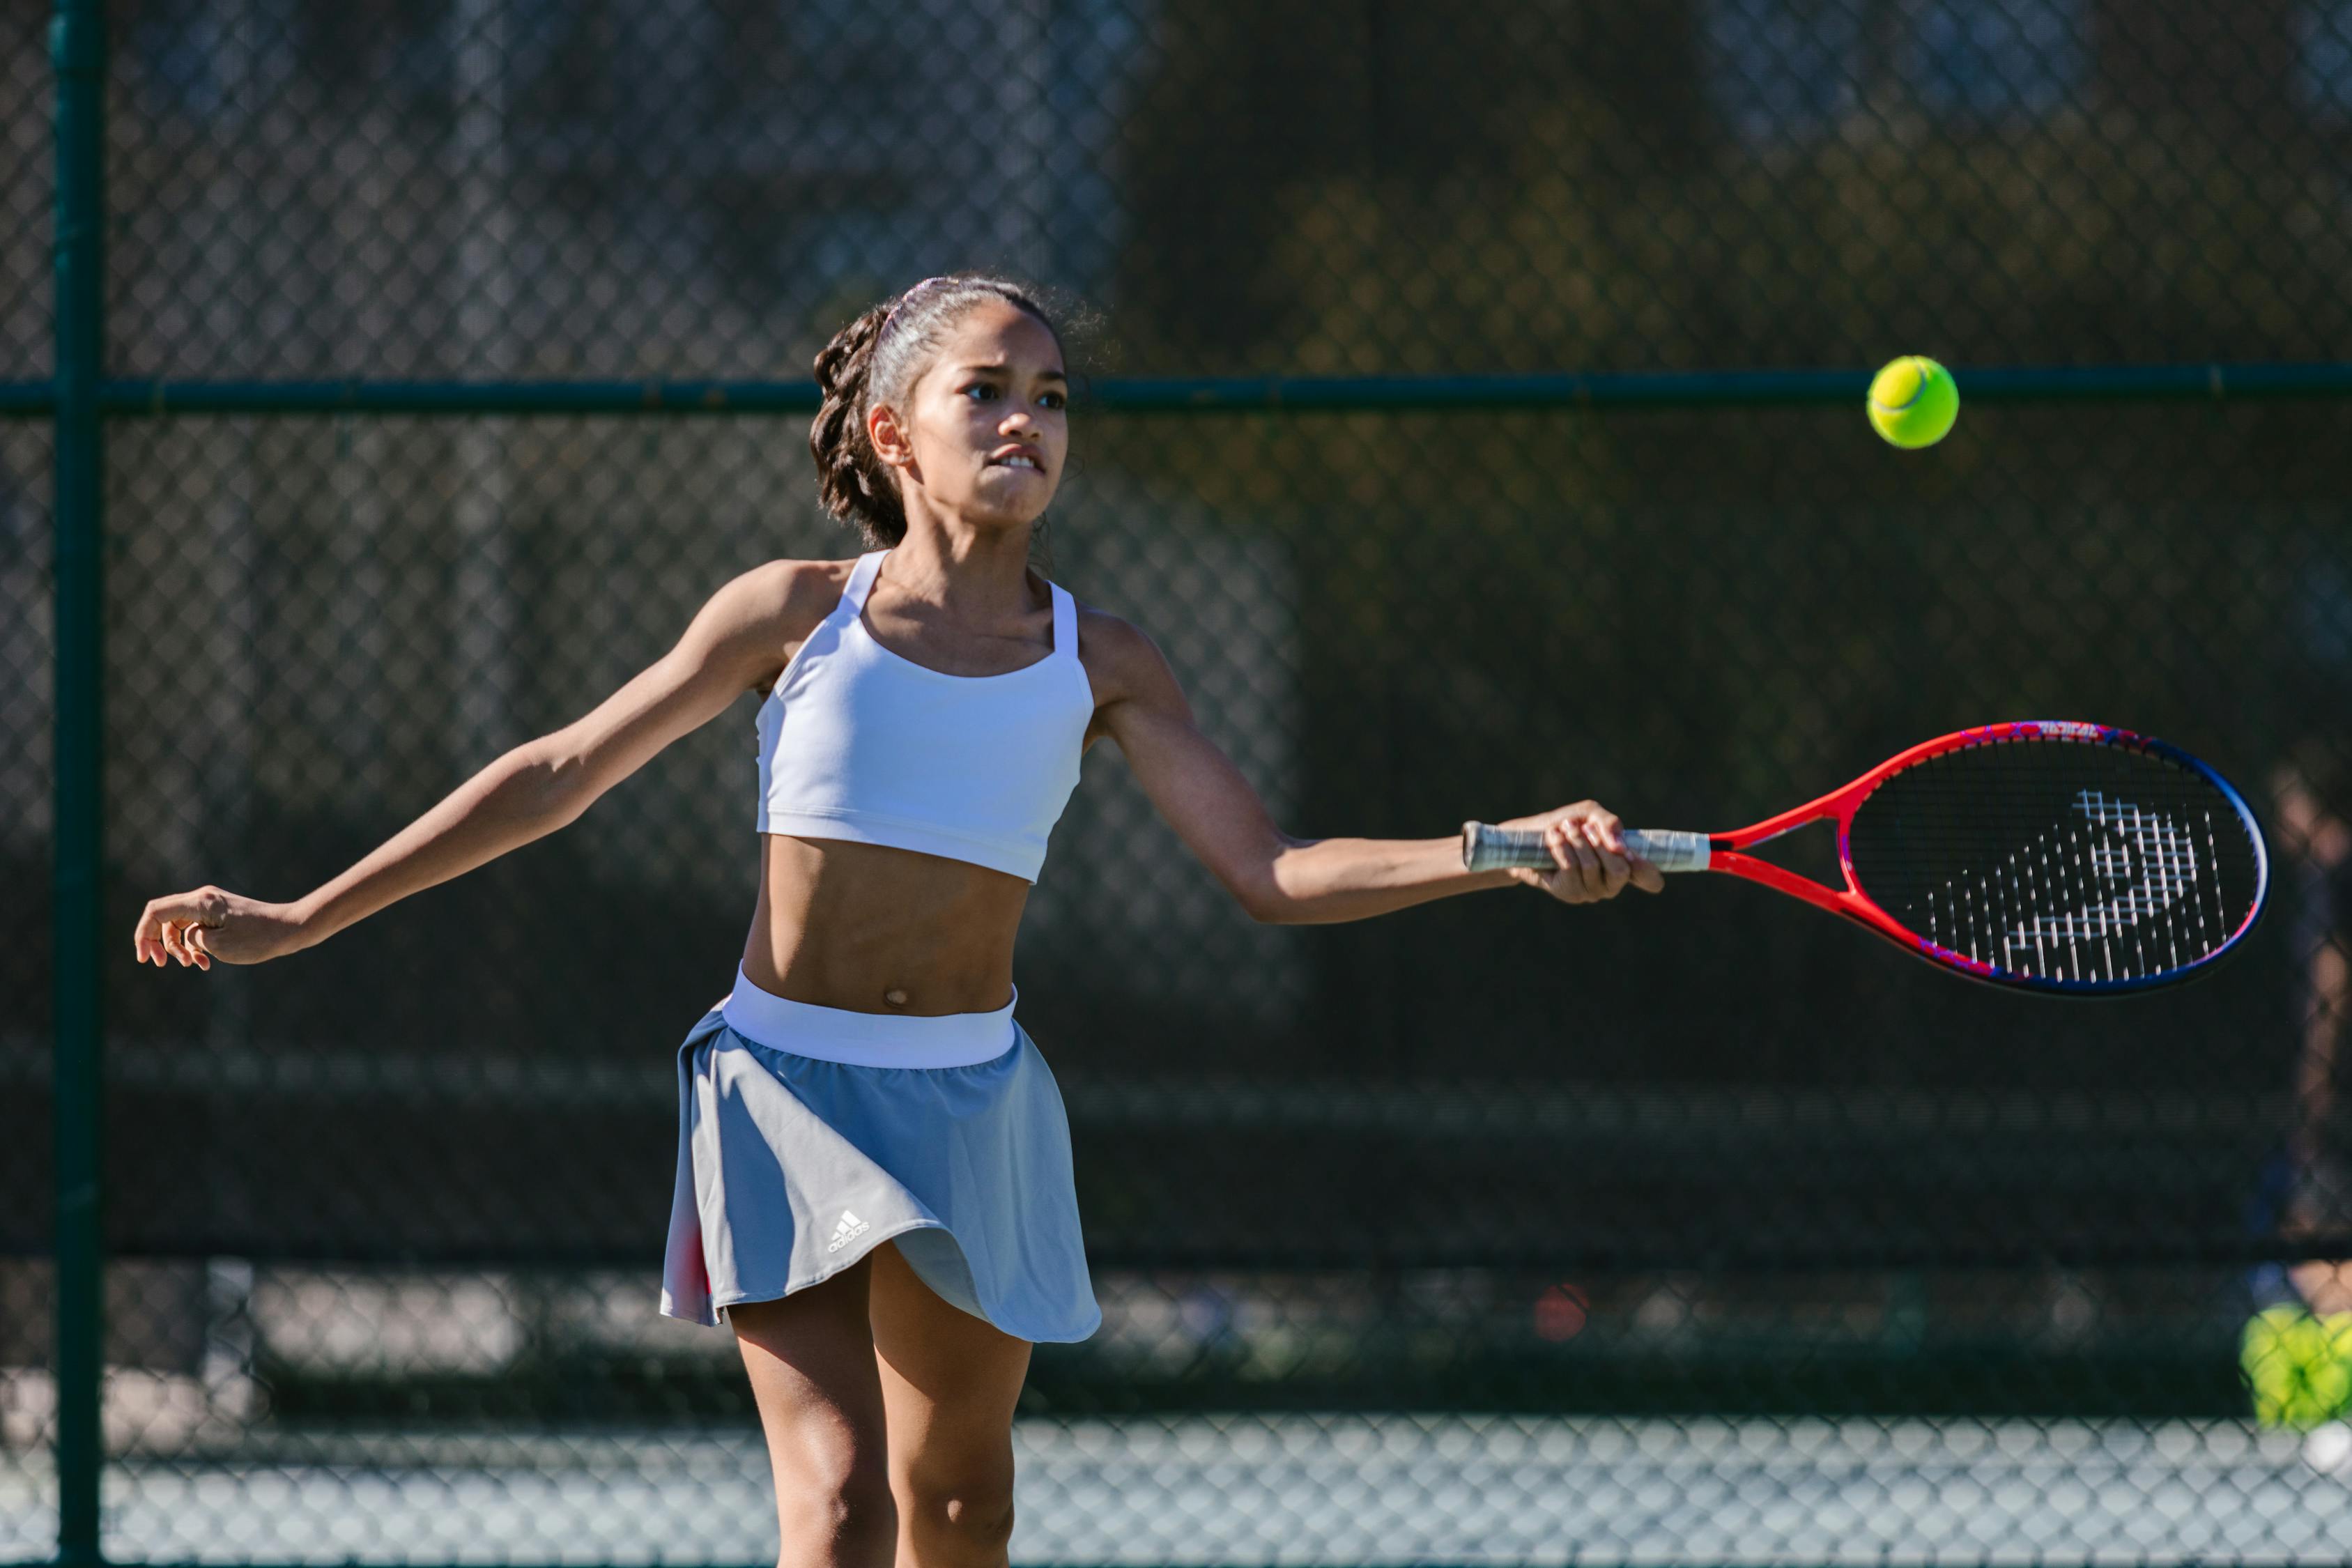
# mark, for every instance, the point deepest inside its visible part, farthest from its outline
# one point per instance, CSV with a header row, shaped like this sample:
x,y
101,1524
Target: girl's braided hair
x,y
877,359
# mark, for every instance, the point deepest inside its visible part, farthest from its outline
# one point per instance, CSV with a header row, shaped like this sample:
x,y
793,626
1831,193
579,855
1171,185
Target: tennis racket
x,y
2055,857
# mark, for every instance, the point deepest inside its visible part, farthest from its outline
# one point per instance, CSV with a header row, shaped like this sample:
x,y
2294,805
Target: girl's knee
x,y
848,1522
971,1516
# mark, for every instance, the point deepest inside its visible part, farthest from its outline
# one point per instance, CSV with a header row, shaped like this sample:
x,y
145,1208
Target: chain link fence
x,y
1688,1229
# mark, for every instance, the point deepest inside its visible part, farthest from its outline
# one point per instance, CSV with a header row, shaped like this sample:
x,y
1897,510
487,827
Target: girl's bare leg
x,y
950,1382
811,1357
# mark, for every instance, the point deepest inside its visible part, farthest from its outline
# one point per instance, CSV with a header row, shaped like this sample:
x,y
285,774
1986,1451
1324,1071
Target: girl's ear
x,y
889,441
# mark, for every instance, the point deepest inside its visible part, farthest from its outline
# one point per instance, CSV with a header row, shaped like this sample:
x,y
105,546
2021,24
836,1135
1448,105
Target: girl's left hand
x,y
1587,844
211,923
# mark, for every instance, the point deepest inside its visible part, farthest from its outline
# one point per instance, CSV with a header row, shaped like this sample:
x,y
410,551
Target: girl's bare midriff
x,y
874,930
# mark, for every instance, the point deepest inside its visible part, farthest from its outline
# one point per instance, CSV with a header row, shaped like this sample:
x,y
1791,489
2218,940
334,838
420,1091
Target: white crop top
x,y
861,743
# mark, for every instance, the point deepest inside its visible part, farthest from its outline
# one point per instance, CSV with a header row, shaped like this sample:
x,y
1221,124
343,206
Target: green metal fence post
x,y
77,50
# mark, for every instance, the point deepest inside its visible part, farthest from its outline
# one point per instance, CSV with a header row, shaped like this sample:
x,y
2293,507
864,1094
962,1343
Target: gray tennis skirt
x,y
808,1136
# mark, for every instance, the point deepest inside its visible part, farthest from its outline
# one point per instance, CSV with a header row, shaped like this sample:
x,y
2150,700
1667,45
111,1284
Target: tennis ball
x,y
2298,1367
1913,401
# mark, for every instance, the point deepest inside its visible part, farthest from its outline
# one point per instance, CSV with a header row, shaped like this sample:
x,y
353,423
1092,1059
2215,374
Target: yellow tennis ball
x,y
1913,401
2298,1367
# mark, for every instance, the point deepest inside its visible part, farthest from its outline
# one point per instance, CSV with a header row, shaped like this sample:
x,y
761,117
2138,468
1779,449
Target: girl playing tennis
x,y
873,1187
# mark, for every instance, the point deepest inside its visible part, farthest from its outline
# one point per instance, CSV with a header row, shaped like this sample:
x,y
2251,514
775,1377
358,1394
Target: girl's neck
x,y
978,577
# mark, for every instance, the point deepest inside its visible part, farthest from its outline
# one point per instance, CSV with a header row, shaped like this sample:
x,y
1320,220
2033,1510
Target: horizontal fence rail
x,y
1993,385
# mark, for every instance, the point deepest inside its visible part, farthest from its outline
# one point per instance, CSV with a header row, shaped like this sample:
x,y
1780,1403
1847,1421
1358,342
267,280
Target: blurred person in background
x,y
2297,1350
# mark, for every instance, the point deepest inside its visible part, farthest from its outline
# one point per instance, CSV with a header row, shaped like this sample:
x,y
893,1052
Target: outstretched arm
x,y
1283,880
530,791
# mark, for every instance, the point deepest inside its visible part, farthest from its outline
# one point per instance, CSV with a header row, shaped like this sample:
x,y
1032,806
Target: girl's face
x,y
988,428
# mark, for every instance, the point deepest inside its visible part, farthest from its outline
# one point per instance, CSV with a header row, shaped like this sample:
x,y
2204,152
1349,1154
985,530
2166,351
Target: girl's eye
x,y
987,392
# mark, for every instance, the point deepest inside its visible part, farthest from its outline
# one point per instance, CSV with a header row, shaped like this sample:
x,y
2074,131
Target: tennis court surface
x,y
1302,1489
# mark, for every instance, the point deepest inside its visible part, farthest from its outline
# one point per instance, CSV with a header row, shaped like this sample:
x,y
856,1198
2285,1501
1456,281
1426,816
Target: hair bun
x,y
843,359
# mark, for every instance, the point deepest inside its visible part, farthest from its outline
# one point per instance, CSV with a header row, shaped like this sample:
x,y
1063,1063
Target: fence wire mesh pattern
x,y
1694,1229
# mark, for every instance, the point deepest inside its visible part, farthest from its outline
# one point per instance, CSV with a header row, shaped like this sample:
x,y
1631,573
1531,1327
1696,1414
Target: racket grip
x,y
1485,847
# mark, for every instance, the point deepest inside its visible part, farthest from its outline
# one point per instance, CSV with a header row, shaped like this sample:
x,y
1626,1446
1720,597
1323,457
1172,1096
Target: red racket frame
x,y
1725,849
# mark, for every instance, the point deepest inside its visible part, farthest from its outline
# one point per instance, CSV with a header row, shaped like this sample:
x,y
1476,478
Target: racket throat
x,y
1808,849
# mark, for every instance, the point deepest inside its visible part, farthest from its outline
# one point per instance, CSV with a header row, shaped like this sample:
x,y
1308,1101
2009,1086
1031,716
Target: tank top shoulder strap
x,y
1066,622
861,582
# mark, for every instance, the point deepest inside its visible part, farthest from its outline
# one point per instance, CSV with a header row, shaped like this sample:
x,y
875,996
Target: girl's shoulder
x,y
1119,658
794,597
801,584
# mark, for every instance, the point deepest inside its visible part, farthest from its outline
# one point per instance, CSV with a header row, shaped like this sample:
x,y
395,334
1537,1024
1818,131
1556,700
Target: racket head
x,y
2052,856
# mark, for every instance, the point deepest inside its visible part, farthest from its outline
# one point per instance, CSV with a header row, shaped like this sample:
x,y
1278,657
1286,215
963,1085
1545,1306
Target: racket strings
x,y
2059,859
2057,894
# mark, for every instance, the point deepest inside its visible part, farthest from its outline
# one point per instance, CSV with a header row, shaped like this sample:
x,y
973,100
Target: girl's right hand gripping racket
x,y
2054,857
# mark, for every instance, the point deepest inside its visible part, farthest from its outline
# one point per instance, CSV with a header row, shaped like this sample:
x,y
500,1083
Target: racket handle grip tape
x,y
1485,847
